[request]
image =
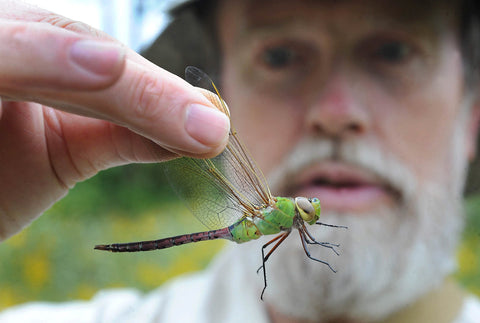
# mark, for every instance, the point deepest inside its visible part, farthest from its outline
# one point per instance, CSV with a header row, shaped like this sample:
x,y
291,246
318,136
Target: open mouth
x,y
343,187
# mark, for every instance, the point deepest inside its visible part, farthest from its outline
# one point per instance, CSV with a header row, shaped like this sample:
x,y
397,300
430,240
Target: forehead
x,y
339,14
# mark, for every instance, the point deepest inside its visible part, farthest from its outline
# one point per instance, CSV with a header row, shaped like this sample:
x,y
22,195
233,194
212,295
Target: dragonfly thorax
x,y
308,209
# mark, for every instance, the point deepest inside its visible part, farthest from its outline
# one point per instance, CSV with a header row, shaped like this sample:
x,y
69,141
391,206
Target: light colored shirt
x,y
213,296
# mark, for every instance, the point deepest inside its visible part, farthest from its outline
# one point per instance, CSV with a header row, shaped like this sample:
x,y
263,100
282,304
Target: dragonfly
x,y
230,195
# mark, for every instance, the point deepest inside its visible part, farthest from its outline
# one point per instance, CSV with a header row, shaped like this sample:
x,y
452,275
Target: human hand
x,y
75,101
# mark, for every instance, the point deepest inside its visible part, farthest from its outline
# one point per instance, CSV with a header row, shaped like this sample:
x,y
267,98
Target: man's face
x,y
316,69
362,104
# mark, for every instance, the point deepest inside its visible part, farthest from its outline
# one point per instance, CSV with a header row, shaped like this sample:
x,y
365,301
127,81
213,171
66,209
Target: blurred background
x,y
134,22
53,259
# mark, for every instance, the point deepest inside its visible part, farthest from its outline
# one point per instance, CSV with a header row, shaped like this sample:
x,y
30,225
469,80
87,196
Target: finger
x,y
146,99
25,12
37,55
155,104
80,147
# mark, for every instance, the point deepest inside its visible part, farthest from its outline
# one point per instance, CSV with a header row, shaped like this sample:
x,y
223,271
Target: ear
x,y
473,125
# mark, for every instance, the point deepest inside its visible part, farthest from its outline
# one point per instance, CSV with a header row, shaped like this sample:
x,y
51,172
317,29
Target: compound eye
x,y
305,208
316,205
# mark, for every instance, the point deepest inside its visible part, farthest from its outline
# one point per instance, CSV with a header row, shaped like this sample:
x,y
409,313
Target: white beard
x,y
388,258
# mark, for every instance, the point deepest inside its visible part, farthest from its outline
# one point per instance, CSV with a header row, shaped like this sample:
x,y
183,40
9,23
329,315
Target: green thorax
x,y
272,220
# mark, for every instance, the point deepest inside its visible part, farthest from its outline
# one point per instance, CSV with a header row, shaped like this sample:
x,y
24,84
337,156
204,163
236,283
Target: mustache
x,y
356,153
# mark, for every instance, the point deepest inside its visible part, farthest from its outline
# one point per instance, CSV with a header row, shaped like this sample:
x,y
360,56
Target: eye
x,y
278,57
393,57
305,209
392,51
316,205
281,64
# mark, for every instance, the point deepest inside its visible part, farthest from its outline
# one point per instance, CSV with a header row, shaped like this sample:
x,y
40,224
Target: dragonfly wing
x,y
236,164
243,173
193,182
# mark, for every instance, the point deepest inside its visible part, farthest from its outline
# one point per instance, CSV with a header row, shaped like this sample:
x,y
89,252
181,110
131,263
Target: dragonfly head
x,y
309,209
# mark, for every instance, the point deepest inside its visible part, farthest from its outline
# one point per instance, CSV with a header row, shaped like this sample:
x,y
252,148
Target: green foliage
x,y
469,251
54,260
122,190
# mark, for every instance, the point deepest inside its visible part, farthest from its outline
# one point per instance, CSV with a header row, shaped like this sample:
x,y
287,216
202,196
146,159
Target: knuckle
x,y
55,20
71,25
16,33
150,98
82,28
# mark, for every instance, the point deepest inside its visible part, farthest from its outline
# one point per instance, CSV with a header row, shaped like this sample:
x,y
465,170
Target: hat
x,y
184,42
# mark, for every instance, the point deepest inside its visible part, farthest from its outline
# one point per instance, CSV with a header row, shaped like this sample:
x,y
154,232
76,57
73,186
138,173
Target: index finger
x,y
131,92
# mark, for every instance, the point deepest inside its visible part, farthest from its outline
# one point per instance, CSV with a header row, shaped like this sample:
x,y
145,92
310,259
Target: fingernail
x,y
98,57
207,125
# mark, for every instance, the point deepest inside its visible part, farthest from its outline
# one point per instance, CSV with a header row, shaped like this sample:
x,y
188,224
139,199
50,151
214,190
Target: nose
x,y
337,111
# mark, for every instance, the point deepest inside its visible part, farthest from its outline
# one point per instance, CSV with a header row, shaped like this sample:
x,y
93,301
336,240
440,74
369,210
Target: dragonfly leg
x,y
331,225
263,250
304,244
280,239
311,240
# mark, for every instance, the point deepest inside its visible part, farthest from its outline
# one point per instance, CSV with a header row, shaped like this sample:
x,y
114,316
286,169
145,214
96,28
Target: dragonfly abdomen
x,y
223,233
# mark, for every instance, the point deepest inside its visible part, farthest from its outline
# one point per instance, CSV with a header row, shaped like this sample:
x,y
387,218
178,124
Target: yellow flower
x,y
18,240
84,291
149,274
36,270
8,297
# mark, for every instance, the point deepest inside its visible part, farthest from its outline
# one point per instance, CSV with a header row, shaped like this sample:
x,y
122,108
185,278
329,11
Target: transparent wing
x,y
202,194
240,168
221,190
